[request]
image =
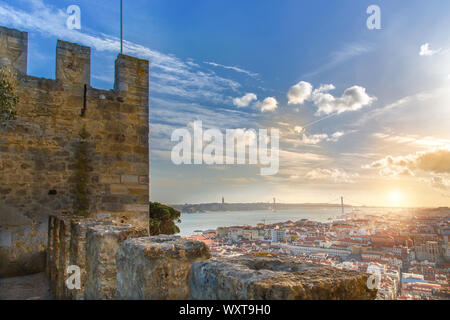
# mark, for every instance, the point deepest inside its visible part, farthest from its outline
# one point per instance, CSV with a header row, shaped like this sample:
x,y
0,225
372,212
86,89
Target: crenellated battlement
x,y
72,149
73,64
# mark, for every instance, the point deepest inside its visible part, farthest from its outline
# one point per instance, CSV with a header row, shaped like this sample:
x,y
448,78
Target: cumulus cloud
x,y
335,175
299,93
353,98
269,104
434,161
245,100
426,51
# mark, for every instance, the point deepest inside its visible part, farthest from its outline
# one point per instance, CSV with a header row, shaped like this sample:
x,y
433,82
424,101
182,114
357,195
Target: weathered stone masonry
x,y
73,149
118,261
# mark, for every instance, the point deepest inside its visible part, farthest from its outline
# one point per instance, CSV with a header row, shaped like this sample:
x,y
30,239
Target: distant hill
x,y
212,207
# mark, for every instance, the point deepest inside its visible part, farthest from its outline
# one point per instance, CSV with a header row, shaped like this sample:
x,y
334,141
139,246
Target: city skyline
x,y
362,113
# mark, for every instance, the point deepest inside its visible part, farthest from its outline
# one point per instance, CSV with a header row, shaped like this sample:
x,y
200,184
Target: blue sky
x,y
385,141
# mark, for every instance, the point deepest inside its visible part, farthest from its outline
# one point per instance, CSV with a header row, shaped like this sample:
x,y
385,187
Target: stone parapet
x,y
119,261
101,268
275,278
157,268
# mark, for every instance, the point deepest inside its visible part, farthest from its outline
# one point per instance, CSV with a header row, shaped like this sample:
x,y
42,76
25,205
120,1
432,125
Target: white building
x,y
278,235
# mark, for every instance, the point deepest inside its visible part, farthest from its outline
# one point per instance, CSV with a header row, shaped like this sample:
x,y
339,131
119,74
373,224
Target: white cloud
x,y
237,69
335,136
245,100
353,99
415,140
335,175
269,104
314,139
426,51
317,138
434,161
299,93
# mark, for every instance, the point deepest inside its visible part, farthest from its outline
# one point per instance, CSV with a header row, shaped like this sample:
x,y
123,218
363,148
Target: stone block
x,y
64,229
118,189
255,277
126,178
143,179
138,189
157,268
137,207
109,179
101,267
5,239
77,253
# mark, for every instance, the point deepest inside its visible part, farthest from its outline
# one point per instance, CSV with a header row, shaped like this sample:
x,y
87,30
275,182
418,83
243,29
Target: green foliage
x,y
163,219
8,96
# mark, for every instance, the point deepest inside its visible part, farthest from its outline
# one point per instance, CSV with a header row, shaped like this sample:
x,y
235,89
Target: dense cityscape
x,y
407,252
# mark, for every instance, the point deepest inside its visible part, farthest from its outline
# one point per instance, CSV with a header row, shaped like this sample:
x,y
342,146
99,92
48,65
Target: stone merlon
x,y
73,63
14,49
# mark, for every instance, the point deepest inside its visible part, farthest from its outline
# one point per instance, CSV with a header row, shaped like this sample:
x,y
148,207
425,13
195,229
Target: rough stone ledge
x,y
156,268
101,269
254,277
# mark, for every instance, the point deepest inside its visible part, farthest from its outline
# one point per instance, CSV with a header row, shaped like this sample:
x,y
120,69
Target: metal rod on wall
x,y
121,27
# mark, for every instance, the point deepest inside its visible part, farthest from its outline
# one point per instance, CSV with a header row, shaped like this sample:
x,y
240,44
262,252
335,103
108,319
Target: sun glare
x,y
395,198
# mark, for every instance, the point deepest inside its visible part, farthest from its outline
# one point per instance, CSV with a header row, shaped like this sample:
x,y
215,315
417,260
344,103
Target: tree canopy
x,y
163,219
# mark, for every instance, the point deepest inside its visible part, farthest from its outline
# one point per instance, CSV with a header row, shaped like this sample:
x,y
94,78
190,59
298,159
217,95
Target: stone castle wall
x,y
119,261
73,150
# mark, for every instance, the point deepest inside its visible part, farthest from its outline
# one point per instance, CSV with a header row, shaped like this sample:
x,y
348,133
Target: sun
x,y
395,197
